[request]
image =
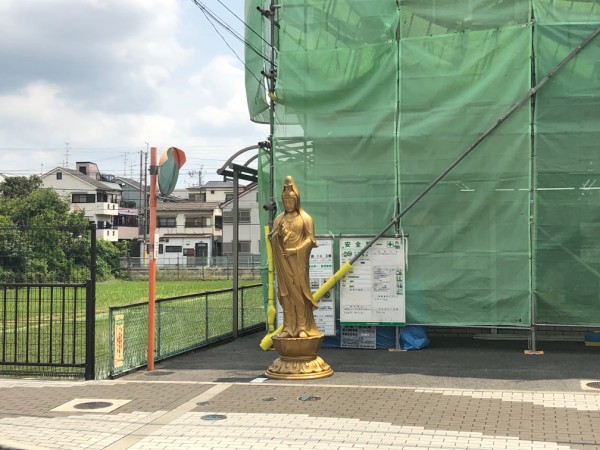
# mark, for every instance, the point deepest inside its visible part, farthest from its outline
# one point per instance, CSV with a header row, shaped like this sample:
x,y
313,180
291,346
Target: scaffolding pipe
x,y
347,266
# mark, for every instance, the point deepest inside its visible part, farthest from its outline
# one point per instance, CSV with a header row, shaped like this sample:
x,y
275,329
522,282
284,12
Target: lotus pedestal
x,y
298,359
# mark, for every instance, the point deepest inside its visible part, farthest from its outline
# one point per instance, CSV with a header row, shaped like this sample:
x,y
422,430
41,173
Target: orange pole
x,y
153,252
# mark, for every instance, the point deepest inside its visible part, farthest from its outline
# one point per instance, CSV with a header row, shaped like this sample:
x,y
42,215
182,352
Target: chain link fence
x,y
188,267
182,324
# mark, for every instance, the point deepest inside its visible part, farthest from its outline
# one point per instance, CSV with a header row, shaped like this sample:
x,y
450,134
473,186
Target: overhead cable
x,y
213,17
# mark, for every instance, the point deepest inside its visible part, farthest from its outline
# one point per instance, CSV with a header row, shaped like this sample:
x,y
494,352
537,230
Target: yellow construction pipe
x,y
271,288
267,341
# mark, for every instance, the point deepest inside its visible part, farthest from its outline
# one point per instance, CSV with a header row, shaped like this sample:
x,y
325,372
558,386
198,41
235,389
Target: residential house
x,y
132,208
213,191
88,190
186,232
189,224
249,232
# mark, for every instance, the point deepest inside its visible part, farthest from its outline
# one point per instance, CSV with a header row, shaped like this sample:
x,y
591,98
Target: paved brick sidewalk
x,y
153,414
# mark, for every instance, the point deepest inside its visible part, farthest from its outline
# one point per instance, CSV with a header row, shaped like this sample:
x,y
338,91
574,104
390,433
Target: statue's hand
x,y
290,251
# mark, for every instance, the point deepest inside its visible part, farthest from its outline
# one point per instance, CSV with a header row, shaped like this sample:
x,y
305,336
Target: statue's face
x,y
290,201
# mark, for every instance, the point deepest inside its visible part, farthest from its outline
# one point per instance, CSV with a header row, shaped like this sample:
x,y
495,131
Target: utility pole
x,y
141,209
193,173
146,197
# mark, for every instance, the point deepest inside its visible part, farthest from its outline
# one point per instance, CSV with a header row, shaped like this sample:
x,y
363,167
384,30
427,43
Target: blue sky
x,y
104,77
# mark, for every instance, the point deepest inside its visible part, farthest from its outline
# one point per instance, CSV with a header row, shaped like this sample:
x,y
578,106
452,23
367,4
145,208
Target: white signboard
x,y
320,269
373,291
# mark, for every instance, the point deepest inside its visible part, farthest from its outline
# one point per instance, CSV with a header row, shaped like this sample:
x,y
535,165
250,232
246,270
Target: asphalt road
x,y
448,362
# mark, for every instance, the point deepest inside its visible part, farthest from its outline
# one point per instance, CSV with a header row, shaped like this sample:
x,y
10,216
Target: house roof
x,y
186,235
212,185
186,206
102,185
131,182
218,184
250,188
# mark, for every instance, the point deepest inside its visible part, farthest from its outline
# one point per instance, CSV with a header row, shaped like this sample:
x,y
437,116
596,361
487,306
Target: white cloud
x,y
113,74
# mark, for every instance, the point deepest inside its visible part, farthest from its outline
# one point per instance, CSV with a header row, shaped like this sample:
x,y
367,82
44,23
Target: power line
x,y
212,17
245,24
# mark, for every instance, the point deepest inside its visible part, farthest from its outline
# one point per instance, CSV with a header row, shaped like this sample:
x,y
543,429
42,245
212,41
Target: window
x,y
173,248
243,247
128,221
228,197
161,249
83,198
197,221
59,175
166,222
243,216
83,169
219,222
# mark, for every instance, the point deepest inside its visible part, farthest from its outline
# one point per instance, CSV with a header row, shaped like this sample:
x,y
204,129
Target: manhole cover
x,y
269,399
214,417
204,403
92,405
308,398
158,374
593,384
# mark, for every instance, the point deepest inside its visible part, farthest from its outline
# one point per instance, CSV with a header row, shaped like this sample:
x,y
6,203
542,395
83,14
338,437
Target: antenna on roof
x,y
193,173
66,160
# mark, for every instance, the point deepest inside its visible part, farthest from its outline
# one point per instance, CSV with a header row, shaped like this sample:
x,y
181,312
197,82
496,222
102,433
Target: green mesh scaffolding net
x,y
375,98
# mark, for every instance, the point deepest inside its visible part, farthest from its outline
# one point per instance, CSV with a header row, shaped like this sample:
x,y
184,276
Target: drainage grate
x,y
92,405
308,398
593,384
214,417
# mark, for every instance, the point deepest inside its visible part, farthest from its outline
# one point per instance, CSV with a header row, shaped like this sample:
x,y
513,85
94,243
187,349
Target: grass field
x,y
126,292
40,324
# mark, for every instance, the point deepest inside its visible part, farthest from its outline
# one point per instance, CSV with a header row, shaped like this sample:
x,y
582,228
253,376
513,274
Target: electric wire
x,y
245,24
230,48
227,27
213,17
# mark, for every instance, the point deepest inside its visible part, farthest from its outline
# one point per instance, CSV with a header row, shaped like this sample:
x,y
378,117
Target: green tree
x,y
41,239
19,187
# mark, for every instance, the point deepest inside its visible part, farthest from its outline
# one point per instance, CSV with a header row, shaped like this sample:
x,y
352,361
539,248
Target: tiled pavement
x,y
270,415
351,410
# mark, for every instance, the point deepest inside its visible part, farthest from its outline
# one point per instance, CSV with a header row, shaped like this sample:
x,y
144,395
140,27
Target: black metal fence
x,y
182,323
43,330
47,301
